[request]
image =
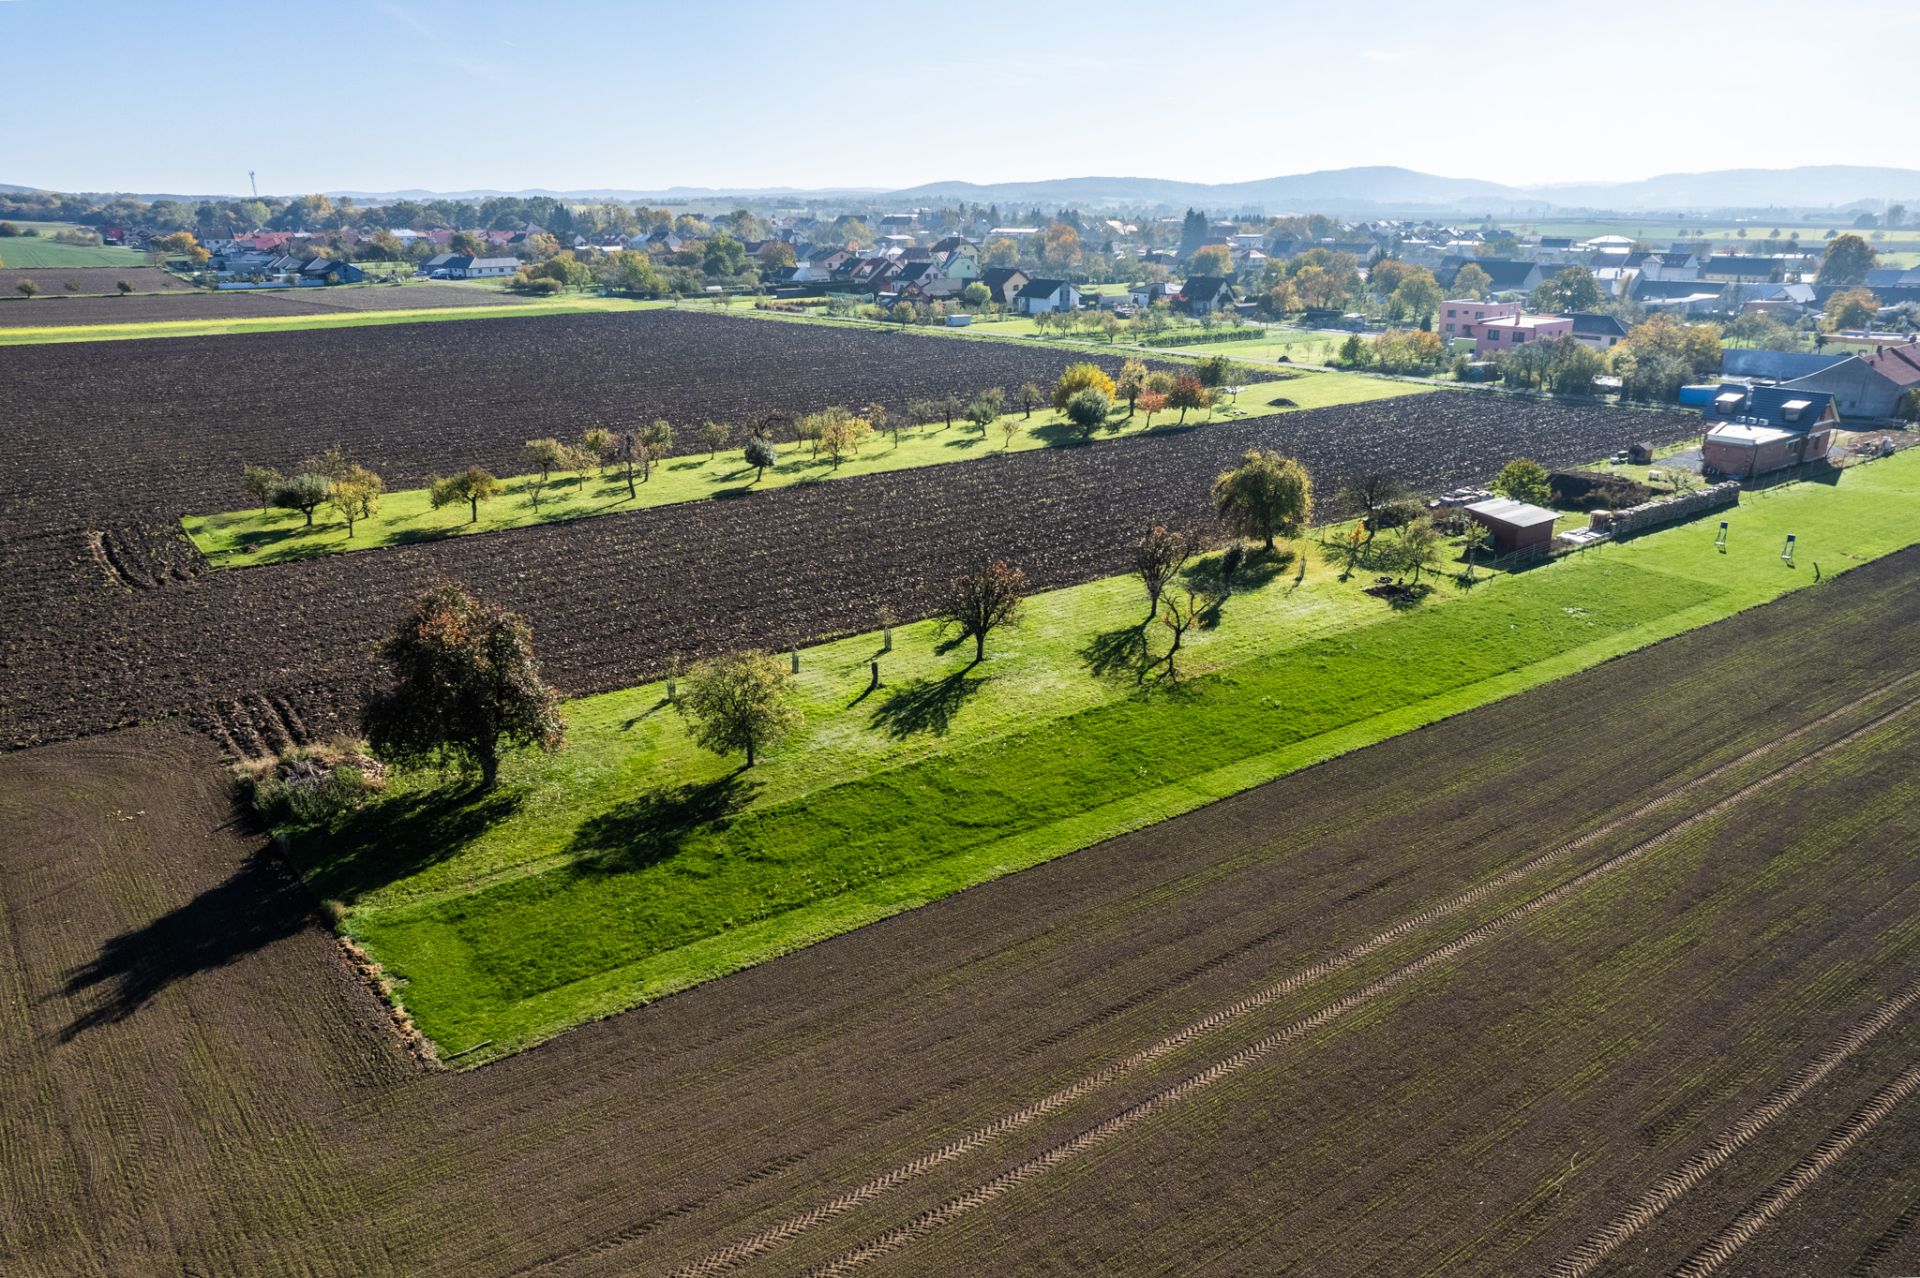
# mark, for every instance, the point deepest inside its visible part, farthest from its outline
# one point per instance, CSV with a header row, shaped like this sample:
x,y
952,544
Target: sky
x,y
381,95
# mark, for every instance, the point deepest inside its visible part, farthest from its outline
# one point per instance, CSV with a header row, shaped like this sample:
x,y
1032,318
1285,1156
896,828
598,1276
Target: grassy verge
x,y
632,864
408,516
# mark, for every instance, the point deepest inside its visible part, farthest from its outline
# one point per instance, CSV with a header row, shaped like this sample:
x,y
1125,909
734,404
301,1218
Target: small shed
x,y
1640,453
1515,525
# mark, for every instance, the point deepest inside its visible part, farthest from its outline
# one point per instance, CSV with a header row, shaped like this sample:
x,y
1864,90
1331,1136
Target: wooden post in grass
x,y
796,658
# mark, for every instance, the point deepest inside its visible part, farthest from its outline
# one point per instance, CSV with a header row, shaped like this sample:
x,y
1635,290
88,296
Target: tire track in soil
x,y
1716,1251
1678,1182
1173,1095
870,1190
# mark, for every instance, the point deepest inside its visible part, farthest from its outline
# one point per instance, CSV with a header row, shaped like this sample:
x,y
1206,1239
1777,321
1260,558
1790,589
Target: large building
x,y
1510,332
1871,386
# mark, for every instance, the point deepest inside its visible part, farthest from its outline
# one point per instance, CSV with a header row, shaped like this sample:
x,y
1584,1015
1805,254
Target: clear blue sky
x,y
187,95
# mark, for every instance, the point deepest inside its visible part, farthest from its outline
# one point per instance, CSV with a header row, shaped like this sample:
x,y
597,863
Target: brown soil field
x,y
53,281
1463,1002
58,311
132,631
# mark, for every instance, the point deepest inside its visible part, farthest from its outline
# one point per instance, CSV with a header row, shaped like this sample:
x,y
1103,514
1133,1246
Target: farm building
x,y
1041,296
1869,385
1514,525
1741,450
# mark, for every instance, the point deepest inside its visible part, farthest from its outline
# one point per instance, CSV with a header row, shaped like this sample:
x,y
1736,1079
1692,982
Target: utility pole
x,y
251,181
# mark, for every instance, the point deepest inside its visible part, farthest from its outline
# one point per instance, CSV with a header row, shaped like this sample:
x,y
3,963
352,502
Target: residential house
x,y
1601,332
960,262
1744,450
1684,297
1671,266
1785,407
1875,385
1510,332
1004,283
1459,312
459,266
1893,277
1039,297
1202,294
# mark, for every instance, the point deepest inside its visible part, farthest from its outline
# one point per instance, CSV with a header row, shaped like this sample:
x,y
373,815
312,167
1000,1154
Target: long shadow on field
x,y
1119,652
258,905
925,705
654,826
393,838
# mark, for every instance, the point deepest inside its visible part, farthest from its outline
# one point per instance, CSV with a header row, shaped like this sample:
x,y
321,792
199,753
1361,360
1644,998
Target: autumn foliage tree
x,y
1159,554
1264,497
979,602
472,485
462,681
1079,377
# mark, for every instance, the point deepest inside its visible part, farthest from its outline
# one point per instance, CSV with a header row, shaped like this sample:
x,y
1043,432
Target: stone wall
x,y
1668,510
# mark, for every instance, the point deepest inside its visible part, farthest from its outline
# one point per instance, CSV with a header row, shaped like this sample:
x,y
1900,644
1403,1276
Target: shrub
x,y
1398,514
312,786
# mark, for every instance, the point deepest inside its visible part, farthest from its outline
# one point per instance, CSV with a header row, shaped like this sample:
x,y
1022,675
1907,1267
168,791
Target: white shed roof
x,y
1518,514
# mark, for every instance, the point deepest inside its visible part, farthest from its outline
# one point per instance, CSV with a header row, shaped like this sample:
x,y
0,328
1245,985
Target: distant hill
x,y
1360,190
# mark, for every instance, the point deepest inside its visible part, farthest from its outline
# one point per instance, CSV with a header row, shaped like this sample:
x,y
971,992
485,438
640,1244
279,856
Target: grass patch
x,y
408,516
43,252
632,864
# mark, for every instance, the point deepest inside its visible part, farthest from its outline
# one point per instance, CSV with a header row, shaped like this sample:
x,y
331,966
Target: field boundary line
x,y
1232,1064
1716,1251
1682,1179
758,1244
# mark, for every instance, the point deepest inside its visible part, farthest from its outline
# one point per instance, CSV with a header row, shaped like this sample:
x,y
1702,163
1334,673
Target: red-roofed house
x,y
1885,384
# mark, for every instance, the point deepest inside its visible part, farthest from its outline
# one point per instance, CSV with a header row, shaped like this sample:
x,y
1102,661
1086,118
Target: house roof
x,y
1898,364
1772,405
1747,436
1505,273
492,262
1204,286
995,276
1042,288
1594,324
1514,514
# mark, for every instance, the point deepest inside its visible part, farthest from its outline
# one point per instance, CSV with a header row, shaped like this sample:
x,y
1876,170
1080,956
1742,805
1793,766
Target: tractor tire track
x,y
1716,1251
1676,1184
1167,1098
776,1235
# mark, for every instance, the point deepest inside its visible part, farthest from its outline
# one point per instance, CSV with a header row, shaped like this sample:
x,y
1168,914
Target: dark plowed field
x,y
143,308
53,281
1459,1003
411,400
612,598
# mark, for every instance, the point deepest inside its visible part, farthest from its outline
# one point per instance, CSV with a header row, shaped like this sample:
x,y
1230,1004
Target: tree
x,y
1182,615
469,244
723,256
1213,371
303,492
1368,492
760,454
948,407
1211,260
1131,382
1088,410
1030,396
27,289
1010,428
1187,392
922,412
1416,547
356,495
1417,296
1573,289
1572,365
1404,350
985,407
124,287
1353,352
1266,496
655,441
903,313
260,483
472,485
980,602
877,417
1152,402
842,437
598,443
1854,308
975,295
738,703
182,244
1079,377
463,679
1524,479
1472,281
1158,556
1847,260
713,437
547,456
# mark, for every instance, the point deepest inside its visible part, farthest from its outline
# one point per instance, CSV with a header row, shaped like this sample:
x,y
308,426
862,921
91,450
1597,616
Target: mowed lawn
x,y
408,515
633,864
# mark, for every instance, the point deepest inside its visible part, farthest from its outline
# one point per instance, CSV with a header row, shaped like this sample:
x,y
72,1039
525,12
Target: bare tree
x,y
979,602
1159,554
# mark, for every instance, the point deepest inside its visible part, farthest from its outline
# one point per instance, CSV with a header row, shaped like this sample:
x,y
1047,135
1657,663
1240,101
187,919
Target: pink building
x,y
1455,315
1506,332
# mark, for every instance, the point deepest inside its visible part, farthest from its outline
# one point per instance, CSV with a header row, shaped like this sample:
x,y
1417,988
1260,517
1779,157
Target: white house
x,y
1042,296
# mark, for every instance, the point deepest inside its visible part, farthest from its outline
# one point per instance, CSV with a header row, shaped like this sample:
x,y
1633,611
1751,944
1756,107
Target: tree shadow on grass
x,y
258,904
925,705
651,827
1113,653
393,838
